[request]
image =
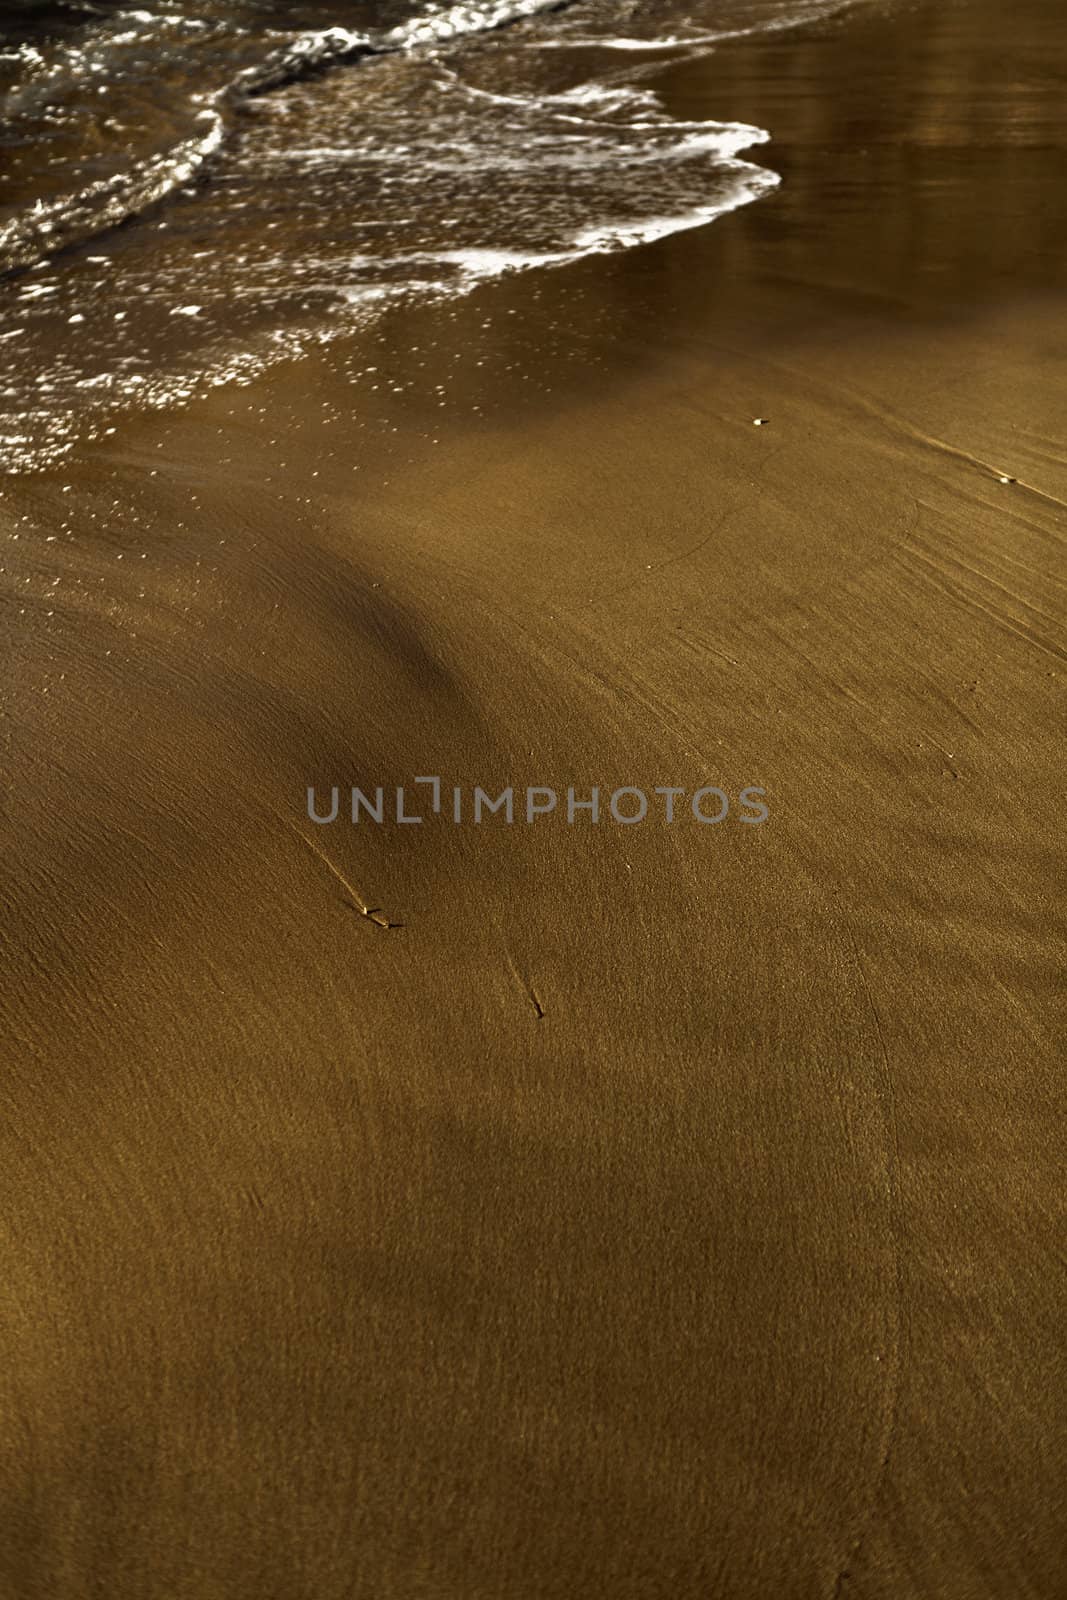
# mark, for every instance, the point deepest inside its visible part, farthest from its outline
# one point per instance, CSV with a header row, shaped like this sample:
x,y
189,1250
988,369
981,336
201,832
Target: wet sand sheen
x,y
332,1268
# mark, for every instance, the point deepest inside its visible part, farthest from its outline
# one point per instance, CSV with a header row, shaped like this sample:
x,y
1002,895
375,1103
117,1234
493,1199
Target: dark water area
x,y
191,192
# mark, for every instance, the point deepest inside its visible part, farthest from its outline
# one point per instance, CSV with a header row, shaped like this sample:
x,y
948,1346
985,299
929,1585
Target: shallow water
x,y
189,196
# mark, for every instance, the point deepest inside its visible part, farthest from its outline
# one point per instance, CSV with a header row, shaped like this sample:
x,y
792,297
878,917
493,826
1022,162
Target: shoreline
x,y
632,1211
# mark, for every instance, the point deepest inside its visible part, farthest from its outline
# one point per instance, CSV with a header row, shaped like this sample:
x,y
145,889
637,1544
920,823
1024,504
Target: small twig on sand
x,y
373,914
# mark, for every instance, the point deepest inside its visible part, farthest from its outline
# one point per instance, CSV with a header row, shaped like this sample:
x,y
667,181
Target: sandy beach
x,y
630,1210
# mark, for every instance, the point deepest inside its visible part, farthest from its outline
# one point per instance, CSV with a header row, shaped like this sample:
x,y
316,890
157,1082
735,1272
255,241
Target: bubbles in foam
x,y
431,167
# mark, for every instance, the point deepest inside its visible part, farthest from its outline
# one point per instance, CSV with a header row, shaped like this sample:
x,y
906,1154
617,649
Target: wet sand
x,y
659,1210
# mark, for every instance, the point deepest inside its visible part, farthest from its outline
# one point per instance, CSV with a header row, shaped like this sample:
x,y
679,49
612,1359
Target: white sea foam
x,y
443,168
576,41
439,25
52,224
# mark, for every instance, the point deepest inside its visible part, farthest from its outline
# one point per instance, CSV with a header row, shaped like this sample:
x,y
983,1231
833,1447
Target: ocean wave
x,y
441,164
51,225
46,225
